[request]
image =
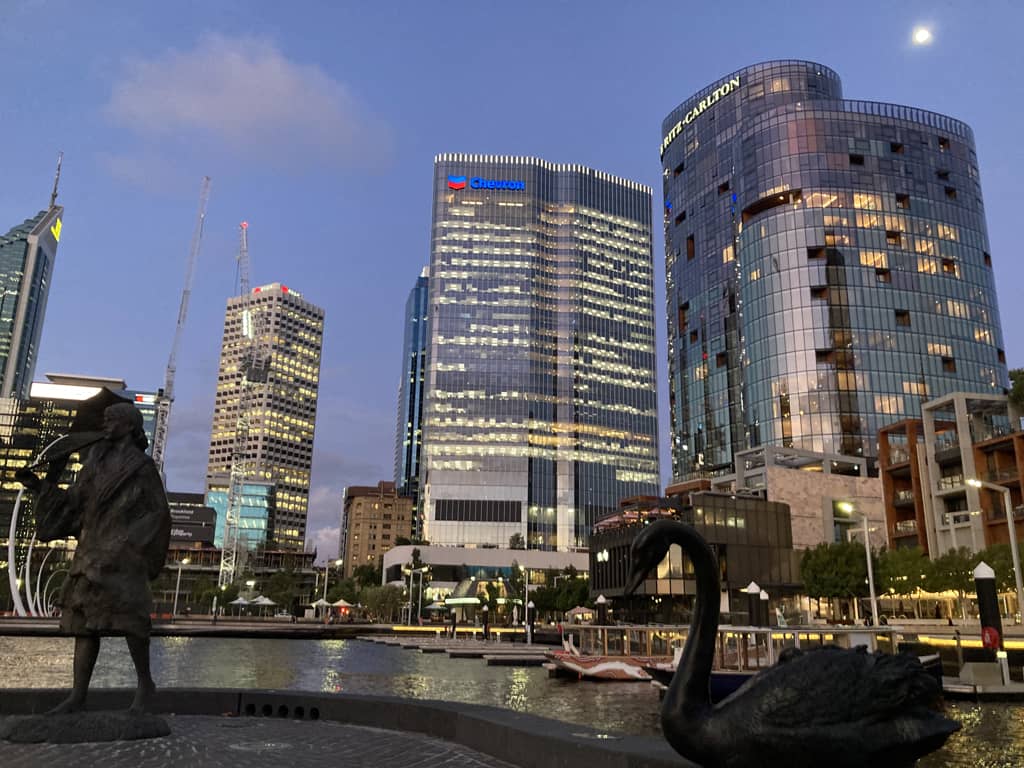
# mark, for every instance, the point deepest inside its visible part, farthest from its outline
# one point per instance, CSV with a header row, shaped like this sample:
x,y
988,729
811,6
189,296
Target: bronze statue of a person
x,y
117,510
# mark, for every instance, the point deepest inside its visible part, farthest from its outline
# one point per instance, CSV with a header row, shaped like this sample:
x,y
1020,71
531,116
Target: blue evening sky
x,y
319,121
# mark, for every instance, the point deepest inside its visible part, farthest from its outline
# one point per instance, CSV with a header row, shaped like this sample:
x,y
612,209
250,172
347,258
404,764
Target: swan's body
x,y
829,707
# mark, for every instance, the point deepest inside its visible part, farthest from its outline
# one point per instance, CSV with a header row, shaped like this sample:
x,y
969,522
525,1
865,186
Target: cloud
x,y
243,95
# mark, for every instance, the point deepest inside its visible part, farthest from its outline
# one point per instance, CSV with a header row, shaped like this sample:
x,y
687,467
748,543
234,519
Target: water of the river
x,y
992,734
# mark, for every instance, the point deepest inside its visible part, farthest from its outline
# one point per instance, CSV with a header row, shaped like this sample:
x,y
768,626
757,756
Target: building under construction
x,y
280,410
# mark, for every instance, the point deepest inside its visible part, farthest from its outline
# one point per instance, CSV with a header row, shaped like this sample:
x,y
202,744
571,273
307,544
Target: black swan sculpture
x,y
830,707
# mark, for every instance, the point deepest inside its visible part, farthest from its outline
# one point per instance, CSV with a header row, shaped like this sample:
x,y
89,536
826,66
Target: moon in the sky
x,y
922,36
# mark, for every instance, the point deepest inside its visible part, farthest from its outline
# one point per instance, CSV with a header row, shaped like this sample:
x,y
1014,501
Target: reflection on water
x,y
992,735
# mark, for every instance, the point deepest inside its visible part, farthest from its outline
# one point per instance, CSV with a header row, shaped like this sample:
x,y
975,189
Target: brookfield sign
x,y
723,90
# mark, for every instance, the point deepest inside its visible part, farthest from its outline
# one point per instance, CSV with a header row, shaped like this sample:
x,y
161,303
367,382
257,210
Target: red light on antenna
x,y
244,225
284,289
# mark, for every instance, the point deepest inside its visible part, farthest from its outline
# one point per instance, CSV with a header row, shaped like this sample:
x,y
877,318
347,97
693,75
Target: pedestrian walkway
x,y
206,741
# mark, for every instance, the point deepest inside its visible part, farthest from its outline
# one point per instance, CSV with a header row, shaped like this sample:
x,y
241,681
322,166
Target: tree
x,y
903,572
282,588
383,602
516,541
835,570
203,590
953,571
999,557
346,589
367,575
1017,389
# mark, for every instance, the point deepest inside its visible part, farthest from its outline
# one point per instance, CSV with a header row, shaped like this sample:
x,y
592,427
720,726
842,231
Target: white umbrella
x,y
320,603
342,603
239,601
261,600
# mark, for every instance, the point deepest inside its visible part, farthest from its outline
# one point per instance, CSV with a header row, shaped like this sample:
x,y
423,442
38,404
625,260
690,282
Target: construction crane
x,y
166,395
254,367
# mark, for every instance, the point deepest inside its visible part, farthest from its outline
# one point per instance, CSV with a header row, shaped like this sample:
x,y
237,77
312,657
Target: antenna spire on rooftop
x,y
56,179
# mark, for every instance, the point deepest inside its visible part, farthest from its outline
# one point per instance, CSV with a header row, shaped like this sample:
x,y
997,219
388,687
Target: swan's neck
x,y
689,694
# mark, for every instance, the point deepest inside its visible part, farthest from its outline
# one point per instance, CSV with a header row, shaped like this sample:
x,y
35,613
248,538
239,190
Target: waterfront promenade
x,y
264,728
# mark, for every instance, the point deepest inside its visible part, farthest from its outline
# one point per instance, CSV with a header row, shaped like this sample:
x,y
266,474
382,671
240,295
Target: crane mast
x,y
254,367
166,396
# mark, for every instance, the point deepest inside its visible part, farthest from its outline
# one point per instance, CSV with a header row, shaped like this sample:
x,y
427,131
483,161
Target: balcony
x,y
905,528
992,432
898,455
999,475
947,441
950,482
903,498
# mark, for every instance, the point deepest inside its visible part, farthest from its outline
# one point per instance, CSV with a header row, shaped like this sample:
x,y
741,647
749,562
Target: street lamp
x,y
337,564
177,586
847,507
1011,531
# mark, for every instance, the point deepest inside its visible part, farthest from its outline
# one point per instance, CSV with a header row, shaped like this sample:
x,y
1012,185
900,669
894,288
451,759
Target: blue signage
x,y
477,183
459,182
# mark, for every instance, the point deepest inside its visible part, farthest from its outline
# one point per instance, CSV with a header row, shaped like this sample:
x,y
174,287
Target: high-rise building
x,y
409,433
540,410
282,412
27,254
827,265
374,518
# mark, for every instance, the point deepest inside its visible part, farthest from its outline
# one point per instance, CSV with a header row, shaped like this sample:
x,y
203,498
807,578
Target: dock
x,y
492,652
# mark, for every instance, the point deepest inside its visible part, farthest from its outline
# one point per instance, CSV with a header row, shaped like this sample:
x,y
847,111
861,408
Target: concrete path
x,y
203,741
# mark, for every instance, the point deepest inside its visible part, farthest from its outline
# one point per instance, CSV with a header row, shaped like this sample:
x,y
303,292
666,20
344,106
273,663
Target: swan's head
x,y
649,548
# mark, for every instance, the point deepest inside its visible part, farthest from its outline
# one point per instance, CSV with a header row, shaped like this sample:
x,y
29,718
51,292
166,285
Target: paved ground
x,y
254,742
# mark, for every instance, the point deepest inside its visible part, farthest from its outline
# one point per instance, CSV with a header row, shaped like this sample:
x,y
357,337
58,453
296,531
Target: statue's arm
x,y
152,528
58,512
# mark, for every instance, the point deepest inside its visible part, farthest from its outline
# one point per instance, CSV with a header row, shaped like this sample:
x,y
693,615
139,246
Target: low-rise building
x,y
451,565
752,537
374,518
828,495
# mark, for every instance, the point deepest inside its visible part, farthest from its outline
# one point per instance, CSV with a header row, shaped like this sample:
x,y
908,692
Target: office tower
x,y
540,410
827,267
27,254
374,518
282,412
409,435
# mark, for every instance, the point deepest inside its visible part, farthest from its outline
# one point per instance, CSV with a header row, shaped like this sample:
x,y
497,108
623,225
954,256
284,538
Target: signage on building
x,y
459,182
56,228
723,90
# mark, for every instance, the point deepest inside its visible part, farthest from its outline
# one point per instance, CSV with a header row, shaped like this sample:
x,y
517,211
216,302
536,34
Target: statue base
x,y
81,727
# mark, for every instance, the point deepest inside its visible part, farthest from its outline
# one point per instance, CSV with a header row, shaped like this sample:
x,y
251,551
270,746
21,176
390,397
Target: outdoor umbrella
x,y
342,603
320,603
261,600
239,601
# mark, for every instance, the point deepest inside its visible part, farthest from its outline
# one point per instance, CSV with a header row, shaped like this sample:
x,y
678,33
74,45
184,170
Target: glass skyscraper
x,y
540,411
827,262
282,413
409,434
27,254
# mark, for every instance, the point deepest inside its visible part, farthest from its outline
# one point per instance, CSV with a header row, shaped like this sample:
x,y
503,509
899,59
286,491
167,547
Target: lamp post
x,y
867,558
337,564
177,587
1011,531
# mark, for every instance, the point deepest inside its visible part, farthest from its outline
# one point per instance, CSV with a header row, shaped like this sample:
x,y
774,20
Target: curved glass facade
x,y
828,266
540,410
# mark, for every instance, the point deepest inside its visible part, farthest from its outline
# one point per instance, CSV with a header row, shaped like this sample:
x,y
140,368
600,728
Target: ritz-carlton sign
x,y
723,90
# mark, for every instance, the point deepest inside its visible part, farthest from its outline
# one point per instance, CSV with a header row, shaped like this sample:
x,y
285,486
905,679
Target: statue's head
x,y
124,419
